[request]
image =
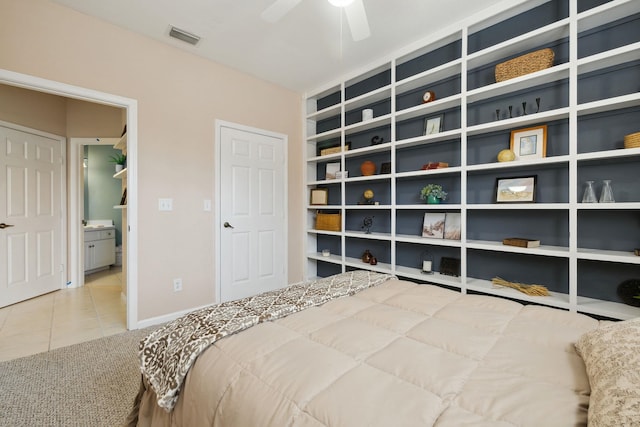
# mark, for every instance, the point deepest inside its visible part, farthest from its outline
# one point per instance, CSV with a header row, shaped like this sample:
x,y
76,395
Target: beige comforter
x,y
398,354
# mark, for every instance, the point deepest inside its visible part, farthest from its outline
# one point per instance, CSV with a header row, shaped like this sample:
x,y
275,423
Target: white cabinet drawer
x,y
107,234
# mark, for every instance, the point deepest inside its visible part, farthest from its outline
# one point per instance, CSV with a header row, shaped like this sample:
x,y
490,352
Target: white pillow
x,y
612,356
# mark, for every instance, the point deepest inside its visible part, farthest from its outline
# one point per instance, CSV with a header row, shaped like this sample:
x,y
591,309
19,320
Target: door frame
x,y
217,229
76,208
63,192
26,81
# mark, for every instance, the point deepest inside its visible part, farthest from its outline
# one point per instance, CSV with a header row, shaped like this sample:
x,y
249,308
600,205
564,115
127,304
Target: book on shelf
x,y
520,242
435,165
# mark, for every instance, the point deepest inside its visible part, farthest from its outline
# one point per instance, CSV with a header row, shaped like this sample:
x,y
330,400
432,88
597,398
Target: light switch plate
x,y
207,205
165,204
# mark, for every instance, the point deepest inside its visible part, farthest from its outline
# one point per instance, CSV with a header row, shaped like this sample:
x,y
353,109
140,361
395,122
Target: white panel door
x,y
30,215
252,205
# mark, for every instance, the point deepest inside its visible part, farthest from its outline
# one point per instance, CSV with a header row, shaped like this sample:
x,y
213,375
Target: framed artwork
x,y
529,143
452,230
385,168
319,196
433,225
433,125
516,190
332,168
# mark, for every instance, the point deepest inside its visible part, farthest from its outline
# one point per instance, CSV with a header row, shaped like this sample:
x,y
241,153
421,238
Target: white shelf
x,y
429,76
368,98
517,45
627,257
416,273
555,299
370,236
519,164
614,310
379,267
606,13
455,170
121,144
553,251
428,108
567,161
120,207
549,75
121,175
407,238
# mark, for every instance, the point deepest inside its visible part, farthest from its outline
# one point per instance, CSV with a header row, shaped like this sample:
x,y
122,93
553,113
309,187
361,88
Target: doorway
x,y
131,106
251,177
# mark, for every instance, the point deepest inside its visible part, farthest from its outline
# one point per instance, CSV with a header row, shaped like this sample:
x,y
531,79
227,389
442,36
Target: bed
x,y
378,351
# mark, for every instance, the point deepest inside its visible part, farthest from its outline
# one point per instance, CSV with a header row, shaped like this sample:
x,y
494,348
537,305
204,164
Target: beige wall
x,y
179,97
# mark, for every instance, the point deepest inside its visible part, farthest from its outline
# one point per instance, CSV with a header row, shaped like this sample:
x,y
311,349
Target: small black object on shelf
x,y
510,111
377,140
450,266
367,223
524,108
629,292
497,114
537,104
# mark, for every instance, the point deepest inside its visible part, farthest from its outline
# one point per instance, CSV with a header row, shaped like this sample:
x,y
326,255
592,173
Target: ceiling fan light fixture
x,y
341,3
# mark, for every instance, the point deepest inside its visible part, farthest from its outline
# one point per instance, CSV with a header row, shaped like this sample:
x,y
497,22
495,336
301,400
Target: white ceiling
x,y
302,51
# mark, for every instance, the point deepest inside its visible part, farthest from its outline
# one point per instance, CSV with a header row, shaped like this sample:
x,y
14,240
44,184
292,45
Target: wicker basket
x,y
632,140
525,64
328,222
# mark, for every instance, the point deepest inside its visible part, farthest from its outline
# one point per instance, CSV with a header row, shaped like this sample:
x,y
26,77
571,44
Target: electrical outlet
x,y
177,285
207,205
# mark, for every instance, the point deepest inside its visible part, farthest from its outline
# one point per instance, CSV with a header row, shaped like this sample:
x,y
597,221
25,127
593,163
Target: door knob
x,y
227,225
3,225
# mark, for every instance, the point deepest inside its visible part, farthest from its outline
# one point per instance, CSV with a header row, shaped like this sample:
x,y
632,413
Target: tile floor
x,y
64,317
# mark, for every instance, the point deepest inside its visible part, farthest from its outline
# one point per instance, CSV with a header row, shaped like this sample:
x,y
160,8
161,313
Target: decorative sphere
x,y
506,156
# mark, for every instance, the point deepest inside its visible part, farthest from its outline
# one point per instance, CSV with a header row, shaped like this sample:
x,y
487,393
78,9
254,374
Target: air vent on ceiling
x,y
184,36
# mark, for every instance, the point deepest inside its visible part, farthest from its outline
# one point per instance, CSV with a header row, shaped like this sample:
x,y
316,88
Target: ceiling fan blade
x,y
278,9
357,19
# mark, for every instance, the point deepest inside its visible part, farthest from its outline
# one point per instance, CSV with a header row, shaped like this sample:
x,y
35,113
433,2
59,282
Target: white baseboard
x,y
165,318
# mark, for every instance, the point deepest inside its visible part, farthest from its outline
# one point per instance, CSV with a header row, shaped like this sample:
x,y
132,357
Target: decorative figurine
x,y
524,108
537,104
368,197
373,260
377,140
367,222
366,256
497,114
510,111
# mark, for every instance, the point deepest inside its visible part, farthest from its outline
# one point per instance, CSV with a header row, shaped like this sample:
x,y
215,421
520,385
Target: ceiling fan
x,y
354,9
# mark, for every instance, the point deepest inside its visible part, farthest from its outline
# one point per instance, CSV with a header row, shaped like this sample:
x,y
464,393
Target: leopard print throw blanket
x,y
167,354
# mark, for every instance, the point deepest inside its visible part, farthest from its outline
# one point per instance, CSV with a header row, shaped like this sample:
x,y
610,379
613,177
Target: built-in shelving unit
x,y
589,100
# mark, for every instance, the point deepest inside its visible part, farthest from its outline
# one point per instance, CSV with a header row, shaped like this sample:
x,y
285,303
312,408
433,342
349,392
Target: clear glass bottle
x,y
606,195
589,195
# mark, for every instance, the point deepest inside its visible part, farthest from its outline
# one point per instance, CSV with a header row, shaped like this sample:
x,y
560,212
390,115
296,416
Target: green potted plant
x,y
119,160
433,193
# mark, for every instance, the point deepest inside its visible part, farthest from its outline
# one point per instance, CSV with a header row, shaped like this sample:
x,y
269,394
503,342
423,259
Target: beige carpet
x,y
88,384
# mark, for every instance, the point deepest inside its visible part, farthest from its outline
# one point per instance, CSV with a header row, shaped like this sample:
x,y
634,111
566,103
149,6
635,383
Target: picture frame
x,y
529,143
433,225
319,196
433,124
331,170
452,226
385,168
516,190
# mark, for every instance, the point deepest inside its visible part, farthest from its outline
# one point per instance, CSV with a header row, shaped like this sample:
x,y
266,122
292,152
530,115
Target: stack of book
x,y
435,165
520,242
